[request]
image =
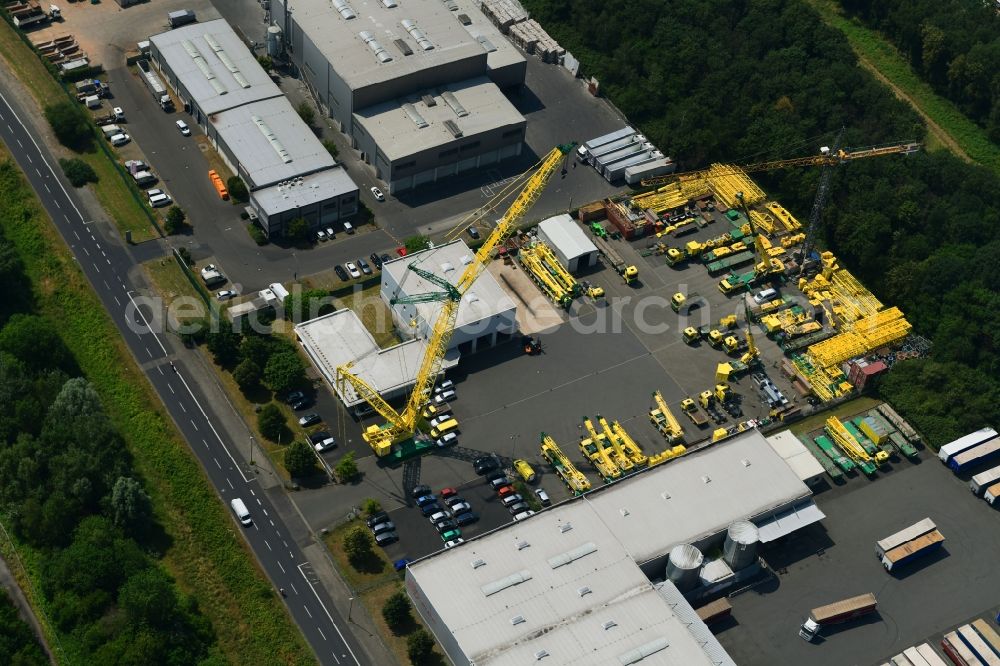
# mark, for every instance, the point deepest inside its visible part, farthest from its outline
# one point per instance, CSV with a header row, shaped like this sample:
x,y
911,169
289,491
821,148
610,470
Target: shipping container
x,y
637,173
181,17
988,634
912,550
946,452
899,538
992,494
608,138
915,657
606,160
957,650
984,480
930,656
608,148
616,172
975,456
984,653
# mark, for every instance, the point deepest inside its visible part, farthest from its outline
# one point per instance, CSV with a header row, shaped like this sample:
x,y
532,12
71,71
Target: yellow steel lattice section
x,y
561,275
629,446
671,196
763,221
571,476
540,274
855,300
620,457
786,219
726,180
846,441
866,335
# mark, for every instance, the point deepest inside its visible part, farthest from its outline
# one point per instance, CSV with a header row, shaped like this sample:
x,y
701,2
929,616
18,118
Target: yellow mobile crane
x,y
826,157
401,426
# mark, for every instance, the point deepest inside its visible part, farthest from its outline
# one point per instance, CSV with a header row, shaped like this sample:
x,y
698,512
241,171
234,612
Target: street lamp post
x,y
350,609
251,451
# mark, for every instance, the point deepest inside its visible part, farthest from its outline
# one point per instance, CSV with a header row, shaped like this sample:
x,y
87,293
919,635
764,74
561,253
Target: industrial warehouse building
x,y
587,581
486,315
569,243
253,126
416,84
794,452
338,338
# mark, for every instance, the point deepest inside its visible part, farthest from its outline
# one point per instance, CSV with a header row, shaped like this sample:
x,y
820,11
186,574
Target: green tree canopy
x,y
300,460
247,374
271,422
347,467
284,371
70,124
396,611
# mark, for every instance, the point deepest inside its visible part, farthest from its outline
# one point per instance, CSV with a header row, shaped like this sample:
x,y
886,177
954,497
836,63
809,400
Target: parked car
x,y
485,465
420,491
312,418
495,474
383,527
183,127
446,526
444,396
453,542
517,507
120,139
377,518
447,493
330,234
365,268
377,193
506,491
461,506
455,499
157,198
401,563
440,418
473,233
341,273
437,517
225,294
466,518
446,385
430,509
348,227
451,535
325,444
352,269
376,260
510,499
386,538
543,497
424,500
294,396
524,514
321,235
449,439
300,404
497,484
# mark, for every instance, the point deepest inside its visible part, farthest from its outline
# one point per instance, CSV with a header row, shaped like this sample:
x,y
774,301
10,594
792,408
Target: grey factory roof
x,y
567,235
339,337
311,189
397,129
483,300
501,52
360,64
214,65
701,494
794,452
559,583
271,142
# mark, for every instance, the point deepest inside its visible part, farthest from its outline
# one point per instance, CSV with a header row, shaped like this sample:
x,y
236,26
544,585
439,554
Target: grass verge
x,y
171,283
114,193
207,557
372,587
884,57
842,411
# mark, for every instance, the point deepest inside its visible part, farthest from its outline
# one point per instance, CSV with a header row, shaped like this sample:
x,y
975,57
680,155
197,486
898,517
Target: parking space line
x,y
199,430
85,249
265,511
202,441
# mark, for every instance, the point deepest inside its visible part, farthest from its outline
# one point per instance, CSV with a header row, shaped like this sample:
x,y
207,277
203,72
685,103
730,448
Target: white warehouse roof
x,y
563,232
339,337
483,300
304,191
559,583
798,457
214,65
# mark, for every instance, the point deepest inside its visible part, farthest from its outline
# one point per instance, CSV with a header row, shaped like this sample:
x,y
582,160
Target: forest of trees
x,y
953,44
71,495
715,80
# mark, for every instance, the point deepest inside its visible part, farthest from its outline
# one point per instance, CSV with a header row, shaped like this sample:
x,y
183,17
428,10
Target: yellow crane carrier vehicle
x,y
396,435
664,420
628,455
593,449
565,470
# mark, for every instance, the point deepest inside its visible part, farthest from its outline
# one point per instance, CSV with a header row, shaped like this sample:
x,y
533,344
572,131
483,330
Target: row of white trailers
x,y
981,445
973,644
625,154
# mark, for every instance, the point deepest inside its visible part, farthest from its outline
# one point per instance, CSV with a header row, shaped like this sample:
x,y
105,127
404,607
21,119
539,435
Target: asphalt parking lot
x,y
835,559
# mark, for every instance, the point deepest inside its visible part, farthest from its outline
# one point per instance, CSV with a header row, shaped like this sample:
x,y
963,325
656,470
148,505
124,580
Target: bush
x,y
306,112
78,172
271,422
300,460
305,305
237,189
247,374
257,234
70,124
420,647
347,468
396,611
371,506
416,244
358,545
331,147
174,222
185,256
266,63
297,230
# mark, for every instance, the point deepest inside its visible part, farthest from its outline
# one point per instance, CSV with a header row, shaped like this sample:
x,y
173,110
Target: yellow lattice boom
x,y
786,219
671,196
567,471
620,457
561,275
726,180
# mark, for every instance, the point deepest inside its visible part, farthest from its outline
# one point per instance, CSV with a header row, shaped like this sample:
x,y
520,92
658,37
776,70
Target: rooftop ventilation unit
x,y
565,527
227,61
643,651
389,4
572,555
453,128
344,9
541,654
706,479
410,26
447,267
746,463
486,44
464,19
452,101
403,47
451,5
478,563
466,259
272,139
203,66
379,51
665,495
610,624
417,119
584,591
509,581
517,619
428,100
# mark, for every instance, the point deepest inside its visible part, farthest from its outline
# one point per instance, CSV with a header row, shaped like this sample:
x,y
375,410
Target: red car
x,y
506,490
448,492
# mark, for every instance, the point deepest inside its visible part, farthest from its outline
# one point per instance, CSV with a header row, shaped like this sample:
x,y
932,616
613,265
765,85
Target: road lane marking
x,y
85,250
231,486
96,267
268,545
272,523
149,352
252,492
292,585
117,301
160,369
183,408
107,286
46,187
171,388
77,235
328,616
217,462
259,502
279,566
202,441
56,202
307,611
284,542
265,511
321,633
198,429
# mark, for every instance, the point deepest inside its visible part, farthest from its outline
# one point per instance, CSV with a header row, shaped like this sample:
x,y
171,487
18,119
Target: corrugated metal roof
x,y
564,233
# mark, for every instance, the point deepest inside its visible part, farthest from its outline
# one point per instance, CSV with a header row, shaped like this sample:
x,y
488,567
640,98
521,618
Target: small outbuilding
x,y
569,242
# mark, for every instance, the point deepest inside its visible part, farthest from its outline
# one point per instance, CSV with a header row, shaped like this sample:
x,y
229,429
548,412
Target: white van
x,y
120,139
765,296
240,509
92,101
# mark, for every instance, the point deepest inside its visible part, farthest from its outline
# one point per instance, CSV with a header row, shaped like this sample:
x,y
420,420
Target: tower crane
x,y
826,157
400,426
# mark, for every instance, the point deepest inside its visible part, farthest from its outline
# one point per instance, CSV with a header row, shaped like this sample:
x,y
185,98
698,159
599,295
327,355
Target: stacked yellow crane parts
x,y
400,426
